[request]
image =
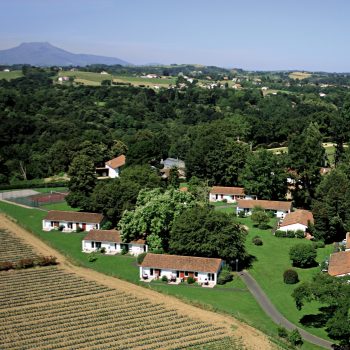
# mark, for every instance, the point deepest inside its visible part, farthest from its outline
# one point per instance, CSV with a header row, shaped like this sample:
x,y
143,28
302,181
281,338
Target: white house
x,y
230,194
280,208
112,242
113,166
177,267
339,264
297,220
72,220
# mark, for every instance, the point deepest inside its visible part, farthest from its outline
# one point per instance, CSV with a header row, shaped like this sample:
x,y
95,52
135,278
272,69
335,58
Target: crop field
x,y
14,249
299,75
48,308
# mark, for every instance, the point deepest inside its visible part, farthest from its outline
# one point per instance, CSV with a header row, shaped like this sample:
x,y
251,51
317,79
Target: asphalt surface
x,y
275,315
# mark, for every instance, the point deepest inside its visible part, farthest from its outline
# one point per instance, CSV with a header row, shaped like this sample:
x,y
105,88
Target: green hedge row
x,y
32,184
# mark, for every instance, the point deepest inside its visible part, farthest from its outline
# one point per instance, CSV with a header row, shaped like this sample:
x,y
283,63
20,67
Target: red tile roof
x,y
265,204
108,236
74,216
184,189
298,217
116,162
347,246
339,263
181,263
233,191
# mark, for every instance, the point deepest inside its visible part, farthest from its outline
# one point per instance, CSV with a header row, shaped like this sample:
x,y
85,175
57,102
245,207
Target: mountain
x,y
45,54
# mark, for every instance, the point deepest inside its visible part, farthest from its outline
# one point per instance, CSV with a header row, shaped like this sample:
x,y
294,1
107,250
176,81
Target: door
x,y
83,226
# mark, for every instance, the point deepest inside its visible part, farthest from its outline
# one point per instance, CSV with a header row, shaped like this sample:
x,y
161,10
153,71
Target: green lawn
x,y
49,189
11,75
233,299
272,260
59,206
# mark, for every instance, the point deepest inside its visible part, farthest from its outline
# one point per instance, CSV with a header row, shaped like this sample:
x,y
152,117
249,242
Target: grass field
x,y
299,75
11,75
233,298
95,79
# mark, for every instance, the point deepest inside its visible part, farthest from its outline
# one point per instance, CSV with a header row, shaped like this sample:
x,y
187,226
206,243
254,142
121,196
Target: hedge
x,y
32,184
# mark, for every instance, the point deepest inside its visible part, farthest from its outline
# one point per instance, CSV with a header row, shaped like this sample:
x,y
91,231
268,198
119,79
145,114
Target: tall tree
x,y
82,182
264,175
202,231
307,156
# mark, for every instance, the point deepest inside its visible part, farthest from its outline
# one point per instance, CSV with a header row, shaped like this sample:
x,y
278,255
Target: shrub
x,y
318,244
295,338
225,276
106,226
241,214
92,257
25,263
46,260
78,229
257,240
6,265
190,280
282,332
290,276
61,228
290,234
103,250
164,278
140,258
299,234
280,234
303,255
124,251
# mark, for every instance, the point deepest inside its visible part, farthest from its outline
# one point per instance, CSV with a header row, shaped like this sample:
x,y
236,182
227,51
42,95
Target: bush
x,y
140,258
241,214
124,251
78,229
299,234
290,276
280,234
107,226
164,279
103,250
61,228
225,276
295,338
6,265
282,332
25,263
257,240
190,280
92,257
303,255
318,244
46,260
290,234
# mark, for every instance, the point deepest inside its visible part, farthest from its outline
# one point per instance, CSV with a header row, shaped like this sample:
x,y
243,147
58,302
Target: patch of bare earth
x,y
249,336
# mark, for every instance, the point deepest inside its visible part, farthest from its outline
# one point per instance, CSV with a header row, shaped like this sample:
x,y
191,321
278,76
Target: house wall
x,y
136,249
248,211
229,198
89,226
112,173
294,227
113,247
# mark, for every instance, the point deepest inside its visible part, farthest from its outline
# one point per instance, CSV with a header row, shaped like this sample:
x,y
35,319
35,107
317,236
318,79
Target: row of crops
x,y
13,248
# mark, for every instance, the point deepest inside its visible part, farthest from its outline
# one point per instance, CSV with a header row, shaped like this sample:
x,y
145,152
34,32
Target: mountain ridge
x,y
46,54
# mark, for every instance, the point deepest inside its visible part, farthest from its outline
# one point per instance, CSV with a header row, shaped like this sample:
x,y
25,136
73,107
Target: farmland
x,y
299,75
11,75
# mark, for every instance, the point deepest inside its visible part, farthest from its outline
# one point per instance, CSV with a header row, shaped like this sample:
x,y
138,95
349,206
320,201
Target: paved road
x,y
275,315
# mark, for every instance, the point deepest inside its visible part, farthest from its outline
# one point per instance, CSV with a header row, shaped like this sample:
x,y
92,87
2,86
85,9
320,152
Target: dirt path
x,y
251,338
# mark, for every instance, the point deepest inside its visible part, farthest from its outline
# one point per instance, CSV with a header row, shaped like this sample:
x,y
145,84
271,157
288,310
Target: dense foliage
x,y
303,255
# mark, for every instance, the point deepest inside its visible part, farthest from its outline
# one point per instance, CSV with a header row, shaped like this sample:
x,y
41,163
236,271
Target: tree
x,y
295,338
154,215
307,156
199,189
202,231
82,182
303,255
331,209
173,179
264,175
143,175
260,217
334,293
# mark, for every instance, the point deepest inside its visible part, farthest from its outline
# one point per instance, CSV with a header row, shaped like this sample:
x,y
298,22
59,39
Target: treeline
x,y
44,126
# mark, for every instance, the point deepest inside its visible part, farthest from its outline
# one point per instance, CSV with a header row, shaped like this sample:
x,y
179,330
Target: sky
x,y
250,34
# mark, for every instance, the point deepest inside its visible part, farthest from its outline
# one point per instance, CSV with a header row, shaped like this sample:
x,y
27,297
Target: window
x,y
196,274
186,273
70,225
115,246
151,272
52,224
92,244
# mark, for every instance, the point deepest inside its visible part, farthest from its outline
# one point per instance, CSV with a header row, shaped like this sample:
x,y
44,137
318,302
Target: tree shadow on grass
x,y
247,262
317,320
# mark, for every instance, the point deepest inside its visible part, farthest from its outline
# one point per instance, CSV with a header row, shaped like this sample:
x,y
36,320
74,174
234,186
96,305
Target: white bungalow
x,y
112,242
297,220
72,221
279,208
228,194
112,167
177,267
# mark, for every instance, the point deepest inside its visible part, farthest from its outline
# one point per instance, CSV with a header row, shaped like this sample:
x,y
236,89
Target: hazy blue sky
x,y
250,34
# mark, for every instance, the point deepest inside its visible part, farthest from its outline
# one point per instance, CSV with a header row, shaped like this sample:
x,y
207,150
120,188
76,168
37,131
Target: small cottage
x,y
68,221
228,194
280,208
179,268
112,242
339,264
112,168
297,220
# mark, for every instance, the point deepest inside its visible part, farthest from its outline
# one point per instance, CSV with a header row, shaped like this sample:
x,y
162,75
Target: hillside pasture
x,y
11,75
299,75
